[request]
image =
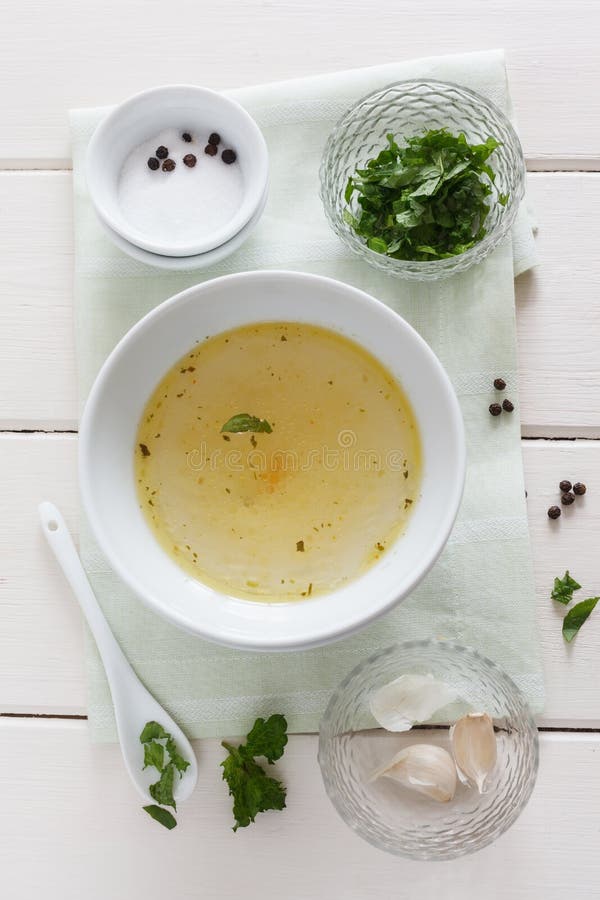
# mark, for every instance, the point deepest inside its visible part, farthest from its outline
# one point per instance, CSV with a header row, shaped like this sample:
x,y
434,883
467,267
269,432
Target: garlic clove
x,y
424,768
409,700
474,747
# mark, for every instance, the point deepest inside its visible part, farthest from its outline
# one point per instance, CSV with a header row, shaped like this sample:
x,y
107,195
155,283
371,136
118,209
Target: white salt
x,y
185,205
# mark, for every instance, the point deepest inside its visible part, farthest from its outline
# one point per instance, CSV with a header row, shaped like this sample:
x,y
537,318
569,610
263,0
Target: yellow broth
x,y
296,512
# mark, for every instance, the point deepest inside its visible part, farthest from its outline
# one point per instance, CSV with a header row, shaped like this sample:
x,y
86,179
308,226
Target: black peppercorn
x,y
168,165
214,138
153,163
507,406
189,160
228,156
567,499
186,136
495,409
162,152
499,384
554,512
579,488
211,150
565,486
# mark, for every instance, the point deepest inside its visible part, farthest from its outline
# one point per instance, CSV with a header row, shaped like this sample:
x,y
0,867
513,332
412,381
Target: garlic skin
x,y
423,768
474,747
409,700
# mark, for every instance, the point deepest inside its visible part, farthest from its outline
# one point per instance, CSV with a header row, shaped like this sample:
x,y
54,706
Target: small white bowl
x,y
185,108
107,446
187,263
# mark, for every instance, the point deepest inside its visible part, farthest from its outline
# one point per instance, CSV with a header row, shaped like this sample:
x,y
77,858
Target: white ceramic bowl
x,y
140,360
187,263
184,107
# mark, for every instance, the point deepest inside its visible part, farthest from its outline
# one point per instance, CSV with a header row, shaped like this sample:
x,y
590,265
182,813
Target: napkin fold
x,y
481,590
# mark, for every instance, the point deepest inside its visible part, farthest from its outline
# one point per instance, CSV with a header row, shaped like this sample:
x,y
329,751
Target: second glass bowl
x,y
405,109
401,821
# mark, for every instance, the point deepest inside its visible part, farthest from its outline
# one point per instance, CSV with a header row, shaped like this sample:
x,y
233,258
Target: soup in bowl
x,y
271,460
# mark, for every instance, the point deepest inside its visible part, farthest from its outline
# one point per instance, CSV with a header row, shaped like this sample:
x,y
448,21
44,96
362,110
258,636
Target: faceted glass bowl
x,y
405,109
394,818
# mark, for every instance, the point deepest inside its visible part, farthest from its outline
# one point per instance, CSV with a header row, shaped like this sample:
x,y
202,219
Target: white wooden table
x,y
70,823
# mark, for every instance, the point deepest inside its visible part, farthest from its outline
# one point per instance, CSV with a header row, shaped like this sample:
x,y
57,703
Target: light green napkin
x,y
481,590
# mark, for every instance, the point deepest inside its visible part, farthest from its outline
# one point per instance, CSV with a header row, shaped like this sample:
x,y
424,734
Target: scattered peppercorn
x,y
565,486
554,512
153,163
186,136
495,409
228,156
579,488
211,150
214,138
507,406
189,160
162,152
567,498
499,384
300,546
168,165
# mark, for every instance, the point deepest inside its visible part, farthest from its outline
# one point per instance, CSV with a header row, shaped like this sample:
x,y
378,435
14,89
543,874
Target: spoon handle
x,y
61,543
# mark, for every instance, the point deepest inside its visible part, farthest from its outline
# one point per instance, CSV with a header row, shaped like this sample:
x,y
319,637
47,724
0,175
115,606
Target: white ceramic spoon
x,y
134,705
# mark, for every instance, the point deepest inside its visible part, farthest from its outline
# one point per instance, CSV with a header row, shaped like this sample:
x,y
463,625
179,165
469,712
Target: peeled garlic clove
x,y
474,747
424,768
409,700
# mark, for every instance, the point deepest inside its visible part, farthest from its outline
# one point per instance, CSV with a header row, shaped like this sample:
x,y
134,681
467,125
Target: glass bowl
x,y
405,109
396,819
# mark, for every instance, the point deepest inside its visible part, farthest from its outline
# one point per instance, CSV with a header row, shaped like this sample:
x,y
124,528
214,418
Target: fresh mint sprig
x,y
253,791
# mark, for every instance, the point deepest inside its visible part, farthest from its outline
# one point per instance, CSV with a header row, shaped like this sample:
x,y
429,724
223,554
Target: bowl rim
x,y
425,643
435,268
252,193
312,636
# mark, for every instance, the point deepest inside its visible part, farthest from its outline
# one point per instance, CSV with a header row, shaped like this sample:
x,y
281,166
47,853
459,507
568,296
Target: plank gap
x,y
573,166
19,715
542,729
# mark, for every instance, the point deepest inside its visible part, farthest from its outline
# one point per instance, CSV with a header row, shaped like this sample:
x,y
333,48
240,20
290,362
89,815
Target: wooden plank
x,y
41,634
557,312
37,359
89,48
558,315
41,668
73,803
572,671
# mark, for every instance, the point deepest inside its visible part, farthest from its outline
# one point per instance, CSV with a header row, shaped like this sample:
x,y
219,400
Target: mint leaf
x,y
162,790
576,616
177,759
152,731
245,422
253,791
563,589
161,815
154,755
267,738
377,244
